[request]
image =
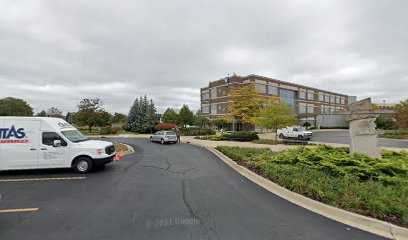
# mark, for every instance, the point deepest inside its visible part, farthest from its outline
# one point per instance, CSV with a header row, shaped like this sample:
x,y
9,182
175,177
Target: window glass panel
x,y
288,97
272,90
310,96
310,109
342,100
261,88
332,99
49,137
302,109
327,98
213,92
302,95
206,109
214,108
205,96
321,98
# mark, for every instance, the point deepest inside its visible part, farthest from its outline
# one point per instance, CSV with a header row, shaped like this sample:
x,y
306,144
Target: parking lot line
x,y
41,179
18,210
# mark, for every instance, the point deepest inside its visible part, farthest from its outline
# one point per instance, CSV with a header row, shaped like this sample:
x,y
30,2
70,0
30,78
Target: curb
x,y
368,224
130,149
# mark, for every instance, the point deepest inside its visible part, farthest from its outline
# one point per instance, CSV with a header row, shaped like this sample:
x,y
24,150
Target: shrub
x,y
243,136
109,130
222,137
197,131
358,183
164,126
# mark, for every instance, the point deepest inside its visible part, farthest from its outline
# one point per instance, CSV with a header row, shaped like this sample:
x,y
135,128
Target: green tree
x,y
200,120
54,112
220,123
15,107
42,114
170,116
246,103
142,115
186,116
151,116
91,113
402,114
119,118
274,114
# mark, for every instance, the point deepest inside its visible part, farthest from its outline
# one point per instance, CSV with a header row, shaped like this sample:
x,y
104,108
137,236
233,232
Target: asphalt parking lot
x,y
343,137
176,191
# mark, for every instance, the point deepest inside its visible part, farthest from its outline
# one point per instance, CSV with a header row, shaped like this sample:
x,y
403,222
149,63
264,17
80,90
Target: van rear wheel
x,y
83,165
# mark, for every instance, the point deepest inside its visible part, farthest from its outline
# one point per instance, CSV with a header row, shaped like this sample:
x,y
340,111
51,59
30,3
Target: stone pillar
x,y
363,136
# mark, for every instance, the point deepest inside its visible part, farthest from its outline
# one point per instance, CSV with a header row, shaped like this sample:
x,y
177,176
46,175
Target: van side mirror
x,y
56,143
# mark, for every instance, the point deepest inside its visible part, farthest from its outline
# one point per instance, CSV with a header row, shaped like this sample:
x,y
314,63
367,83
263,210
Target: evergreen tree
x,y
142,115
186,116
170,116
151,116
133,117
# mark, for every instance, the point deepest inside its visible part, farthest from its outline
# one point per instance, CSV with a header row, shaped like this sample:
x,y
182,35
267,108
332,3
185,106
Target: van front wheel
x,y
83,165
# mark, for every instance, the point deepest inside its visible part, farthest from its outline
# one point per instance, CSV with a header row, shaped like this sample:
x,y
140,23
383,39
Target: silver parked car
x,y
164,137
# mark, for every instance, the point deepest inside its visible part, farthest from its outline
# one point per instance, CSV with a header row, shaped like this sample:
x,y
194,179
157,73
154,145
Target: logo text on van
x,y
64,125
12,135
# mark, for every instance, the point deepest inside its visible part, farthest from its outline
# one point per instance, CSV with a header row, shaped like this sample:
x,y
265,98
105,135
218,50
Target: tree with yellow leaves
x,y
274,114
245,105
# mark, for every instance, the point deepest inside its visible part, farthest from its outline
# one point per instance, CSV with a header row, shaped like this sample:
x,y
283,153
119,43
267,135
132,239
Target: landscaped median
x,y
121,147
373,187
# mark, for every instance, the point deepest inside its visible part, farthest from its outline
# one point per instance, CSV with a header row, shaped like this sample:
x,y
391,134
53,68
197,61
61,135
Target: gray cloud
x,y
53,53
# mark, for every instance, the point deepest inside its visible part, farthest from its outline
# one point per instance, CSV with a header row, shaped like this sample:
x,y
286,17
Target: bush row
x,y
365,185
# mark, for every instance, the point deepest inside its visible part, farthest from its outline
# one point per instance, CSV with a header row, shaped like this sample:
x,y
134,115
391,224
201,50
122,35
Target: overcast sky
x,y
53,53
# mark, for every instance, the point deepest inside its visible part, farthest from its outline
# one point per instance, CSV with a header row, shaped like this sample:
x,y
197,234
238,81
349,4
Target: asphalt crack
x,y
188,205
213,226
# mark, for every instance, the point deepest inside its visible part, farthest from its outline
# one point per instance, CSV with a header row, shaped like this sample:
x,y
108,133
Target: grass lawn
x,y
357,183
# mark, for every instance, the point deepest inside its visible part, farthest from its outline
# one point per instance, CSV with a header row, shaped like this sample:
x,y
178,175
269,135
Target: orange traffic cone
x,y
117,157
121,153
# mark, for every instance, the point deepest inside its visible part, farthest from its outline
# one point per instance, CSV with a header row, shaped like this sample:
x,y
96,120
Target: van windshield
x,y
74,136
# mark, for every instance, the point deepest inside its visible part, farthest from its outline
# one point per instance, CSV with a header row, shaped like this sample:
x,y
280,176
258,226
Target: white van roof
x,y
56,123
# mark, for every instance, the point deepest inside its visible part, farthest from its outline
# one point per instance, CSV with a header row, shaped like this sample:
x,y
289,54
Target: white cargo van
x,y
41,142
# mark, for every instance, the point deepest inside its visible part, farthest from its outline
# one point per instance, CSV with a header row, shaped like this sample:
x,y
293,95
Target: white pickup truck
x,y
295,132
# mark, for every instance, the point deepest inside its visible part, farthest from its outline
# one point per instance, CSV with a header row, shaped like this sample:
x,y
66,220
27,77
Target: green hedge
x,y
358,183
244,136
222,137
197,131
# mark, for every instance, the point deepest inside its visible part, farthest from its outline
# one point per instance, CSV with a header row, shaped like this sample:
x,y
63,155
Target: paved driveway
x,y
342,136
176,192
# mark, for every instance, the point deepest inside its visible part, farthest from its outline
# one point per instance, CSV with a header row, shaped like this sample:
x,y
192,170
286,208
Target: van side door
x,y
52,155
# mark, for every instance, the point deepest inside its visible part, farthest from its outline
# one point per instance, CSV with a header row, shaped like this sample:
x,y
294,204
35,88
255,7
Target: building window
x,y
321,98
310,109
261,88
332,99
327,98
310,96
338,100
288,97
213,108
272,90
213,92
205,96
302,109
342,100
321,109
302,95
327,110
205,109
